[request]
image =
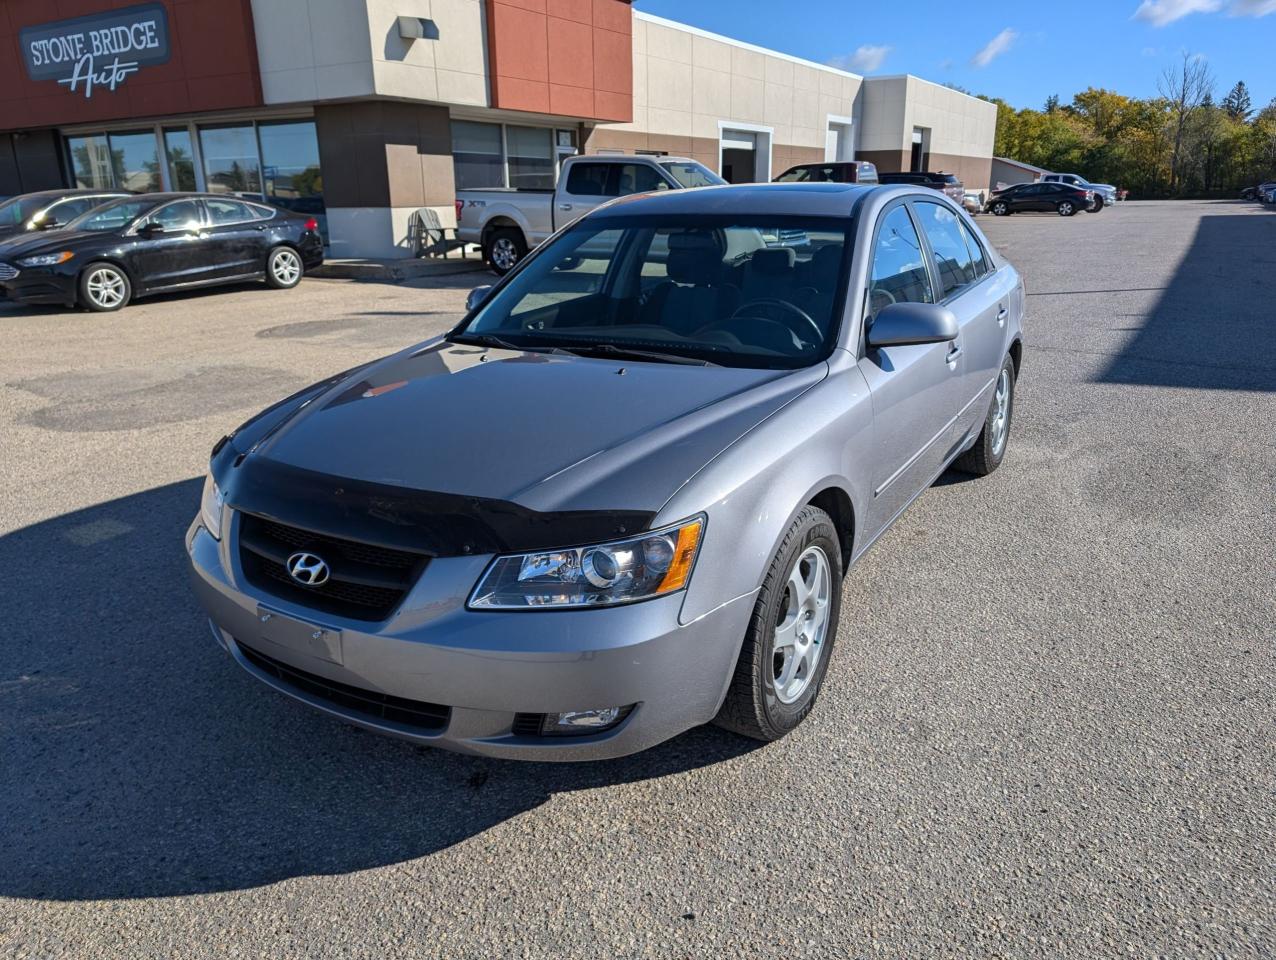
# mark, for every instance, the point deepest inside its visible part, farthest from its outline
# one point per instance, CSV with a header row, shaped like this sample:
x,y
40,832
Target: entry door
x,y
739,156
180,253
916,390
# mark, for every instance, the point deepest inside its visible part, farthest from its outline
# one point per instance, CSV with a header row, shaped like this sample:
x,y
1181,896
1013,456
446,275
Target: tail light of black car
x,y
312,225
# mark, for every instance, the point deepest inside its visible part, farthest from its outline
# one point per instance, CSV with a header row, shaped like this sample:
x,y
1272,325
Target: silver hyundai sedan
x,y
619,498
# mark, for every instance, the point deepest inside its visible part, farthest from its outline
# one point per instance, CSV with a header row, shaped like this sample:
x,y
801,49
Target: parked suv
x,y
945,183
840,171
1104,193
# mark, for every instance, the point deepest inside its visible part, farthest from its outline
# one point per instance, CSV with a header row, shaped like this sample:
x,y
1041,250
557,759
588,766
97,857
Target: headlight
x,y
622,571
47,259
210,507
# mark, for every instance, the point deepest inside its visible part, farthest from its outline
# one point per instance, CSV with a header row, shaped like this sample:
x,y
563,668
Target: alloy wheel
x,y
285,267
802,625
106,287
504,253
1001,413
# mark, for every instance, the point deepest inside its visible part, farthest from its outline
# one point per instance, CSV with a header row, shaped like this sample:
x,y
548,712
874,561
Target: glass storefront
x,y
531,157
505,155
275,160
231,162
478,159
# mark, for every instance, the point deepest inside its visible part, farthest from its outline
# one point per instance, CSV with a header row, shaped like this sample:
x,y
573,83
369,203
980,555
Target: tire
x,y
1066,208
104,287
1000,209
990,449
283,268
504,249
755,706
1096,206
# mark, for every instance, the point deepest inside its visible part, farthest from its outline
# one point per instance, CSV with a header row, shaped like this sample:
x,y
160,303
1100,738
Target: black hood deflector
x,y
434,524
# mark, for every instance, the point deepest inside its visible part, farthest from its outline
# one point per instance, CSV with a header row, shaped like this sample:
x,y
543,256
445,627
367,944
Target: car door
x,y
916,389
178,252
238,238
980,302
587,186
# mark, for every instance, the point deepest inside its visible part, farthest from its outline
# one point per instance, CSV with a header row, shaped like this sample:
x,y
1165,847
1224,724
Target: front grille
x,y
369,703
527,724
366,581
7,272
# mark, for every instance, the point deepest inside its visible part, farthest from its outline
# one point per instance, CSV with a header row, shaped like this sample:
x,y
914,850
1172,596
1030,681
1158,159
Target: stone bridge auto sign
x,y
98,51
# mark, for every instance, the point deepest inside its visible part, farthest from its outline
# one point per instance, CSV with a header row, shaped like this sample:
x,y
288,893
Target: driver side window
x,y
182,215
899,273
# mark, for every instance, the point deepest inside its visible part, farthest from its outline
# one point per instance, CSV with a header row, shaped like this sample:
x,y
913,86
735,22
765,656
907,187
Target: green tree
x,y
1237,102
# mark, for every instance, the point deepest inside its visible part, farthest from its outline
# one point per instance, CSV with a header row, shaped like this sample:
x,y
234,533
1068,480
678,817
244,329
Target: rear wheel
x,y
1000,208
1066,208
990,449
786,651
504,249
104,287
283,268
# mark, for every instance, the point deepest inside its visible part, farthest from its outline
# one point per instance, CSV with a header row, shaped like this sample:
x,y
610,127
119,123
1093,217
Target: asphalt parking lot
x,y
1048,728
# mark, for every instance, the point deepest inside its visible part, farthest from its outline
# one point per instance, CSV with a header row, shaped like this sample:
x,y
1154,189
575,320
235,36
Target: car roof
x,y
759,199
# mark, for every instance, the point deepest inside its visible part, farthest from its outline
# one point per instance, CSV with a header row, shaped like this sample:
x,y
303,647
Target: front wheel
x,y
786,650
990,449
503,249
283,268
1000,209
1066,208
104,287
1096,206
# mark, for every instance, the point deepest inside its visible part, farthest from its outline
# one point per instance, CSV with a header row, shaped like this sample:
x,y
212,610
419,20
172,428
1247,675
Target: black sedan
x,y
1061,198
158,243
50,209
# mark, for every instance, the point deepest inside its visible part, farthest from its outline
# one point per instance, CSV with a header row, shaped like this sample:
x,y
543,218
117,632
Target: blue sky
x,y
1022,52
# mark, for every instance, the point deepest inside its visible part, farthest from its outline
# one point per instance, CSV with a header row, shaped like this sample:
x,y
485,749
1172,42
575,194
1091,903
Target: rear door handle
x,y
953,354
564,206
1001,315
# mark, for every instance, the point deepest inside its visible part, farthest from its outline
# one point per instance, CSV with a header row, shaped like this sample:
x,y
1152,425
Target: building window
x,y
231,164
135,162
290,168
477,157
497,155
91,162
180,158
531,158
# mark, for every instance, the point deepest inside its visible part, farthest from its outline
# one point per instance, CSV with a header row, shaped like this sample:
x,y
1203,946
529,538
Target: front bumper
x,y
484,669
39,285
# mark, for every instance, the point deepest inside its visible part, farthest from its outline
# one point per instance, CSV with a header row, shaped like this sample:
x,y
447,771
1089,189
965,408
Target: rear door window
x,y
589,179
899,272
223,212
953,262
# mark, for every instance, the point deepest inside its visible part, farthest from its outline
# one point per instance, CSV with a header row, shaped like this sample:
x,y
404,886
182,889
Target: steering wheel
x,y
878,298
788,315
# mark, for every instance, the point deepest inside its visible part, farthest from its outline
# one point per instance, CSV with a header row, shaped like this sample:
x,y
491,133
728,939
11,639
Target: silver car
x,y
619,498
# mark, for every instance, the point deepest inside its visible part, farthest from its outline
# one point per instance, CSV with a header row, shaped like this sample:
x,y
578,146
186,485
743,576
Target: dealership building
x,y
362,112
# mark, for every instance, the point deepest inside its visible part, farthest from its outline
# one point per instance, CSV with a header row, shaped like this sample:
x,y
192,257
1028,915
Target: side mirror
x,y
904,324
49,223
476,298
149,230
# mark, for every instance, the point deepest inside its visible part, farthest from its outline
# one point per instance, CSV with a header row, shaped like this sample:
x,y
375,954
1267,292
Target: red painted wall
x,y
213,66
571,58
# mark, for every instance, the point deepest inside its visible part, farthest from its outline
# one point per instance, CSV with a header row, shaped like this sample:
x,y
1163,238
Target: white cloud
x,y
996,47
1160,13
1253,8
865,59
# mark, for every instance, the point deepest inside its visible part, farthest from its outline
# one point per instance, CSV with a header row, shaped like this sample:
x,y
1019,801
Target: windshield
x,y
740,291
691,174
799,175
18,210
113,216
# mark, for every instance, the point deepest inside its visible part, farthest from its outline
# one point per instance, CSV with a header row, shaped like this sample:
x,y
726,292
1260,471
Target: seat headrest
x,y
774,260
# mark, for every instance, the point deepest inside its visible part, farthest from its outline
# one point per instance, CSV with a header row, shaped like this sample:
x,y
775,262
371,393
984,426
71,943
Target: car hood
x,y
549,432
34,242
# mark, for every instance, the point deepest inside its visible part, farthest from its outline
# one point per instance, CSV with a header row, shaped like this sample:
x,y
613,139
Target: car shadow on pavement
x,y
1211,327
139,761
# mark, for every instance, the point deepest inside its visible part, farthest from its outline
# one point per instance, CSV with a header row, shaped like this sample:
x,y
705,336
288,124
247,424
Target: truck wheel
x,y
1096,206
786,650
504,249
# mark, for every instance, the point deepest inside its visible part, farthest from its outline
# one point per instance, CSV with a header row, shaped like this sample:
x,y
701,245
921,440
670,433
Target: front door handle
x,y
1001,315
953,355
564,206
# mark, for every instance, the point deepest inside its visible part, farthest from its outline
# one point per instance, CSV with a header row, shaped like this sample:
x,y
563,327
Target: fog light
x,y
581,722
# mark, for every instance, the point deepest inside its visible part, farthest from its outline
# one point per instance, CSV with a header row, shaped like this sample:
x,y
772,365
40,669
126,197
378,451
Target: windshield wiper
x,y
611,350
491,340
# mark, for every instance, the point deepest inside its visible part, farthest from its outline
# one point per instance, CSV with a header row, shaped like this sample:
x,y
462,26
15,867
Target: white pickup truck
x,y
508,222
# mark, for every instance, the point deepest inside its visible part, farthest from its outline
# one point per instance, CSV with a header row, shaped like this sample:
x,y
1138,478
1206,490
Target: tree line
x,y
1180,143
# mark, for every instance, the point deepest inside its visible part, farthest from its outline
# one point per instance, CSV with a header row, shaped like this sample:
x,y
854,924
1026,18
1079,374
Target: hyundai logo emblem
x,y
307,569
